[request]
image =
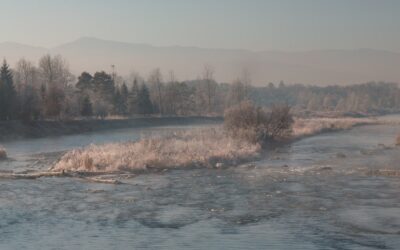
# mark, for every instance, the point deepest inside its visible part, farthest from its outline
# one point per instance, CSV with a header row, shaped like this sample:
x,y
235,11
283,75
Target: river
x,y
316,193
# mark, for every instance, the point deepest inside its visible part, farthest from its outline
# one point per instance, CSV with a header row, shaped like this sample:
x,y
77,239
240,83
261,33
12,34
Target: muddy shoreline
x,y
13,130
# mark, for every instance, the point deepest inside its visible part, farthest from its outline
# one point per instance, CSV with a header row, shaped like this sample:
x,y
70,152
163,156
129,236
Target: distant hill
x,y
14,51
321,67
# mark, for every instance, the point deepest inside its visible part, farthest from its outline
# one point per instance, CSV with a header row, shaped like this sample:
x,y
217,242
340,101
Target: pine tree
x,y
144,104
84,82
104,85
86,109
124,92
104,89
133,98
7,93
124,99
118,103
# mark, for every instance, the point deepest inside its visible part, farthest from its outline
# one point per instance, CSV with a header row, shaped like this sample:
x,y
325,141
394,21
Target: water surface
x,y
316,193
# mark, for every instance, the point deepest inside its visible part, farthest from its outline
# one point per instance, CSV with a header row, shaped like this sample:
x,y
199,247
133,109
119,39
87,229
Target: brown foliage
x,y
252,123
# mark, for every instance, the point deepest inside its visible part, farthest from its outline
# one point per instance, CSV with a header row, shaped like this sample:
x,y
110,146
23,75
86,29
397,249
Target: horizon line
x,y
193,47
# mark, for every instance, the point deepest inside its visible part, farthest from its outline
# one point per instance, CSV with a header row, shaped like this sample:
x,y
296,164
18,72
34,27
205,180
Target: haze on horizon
x,y
313,42
258,25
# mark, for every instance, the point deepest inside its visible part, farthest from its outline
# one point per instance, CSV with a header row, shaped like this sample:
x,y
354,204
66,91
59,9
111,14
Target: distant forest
x,y
49,90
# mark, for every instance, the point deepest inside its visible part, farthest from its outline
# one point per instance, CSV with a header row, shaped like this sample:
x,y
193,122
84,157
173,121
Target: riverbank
x,y
13,130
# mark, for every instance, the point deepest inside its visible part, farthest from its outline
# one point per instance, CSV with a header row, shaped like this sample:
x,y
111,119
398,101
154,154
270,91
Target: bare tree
x,y
237,93
25,74
172,77
27,86
171,94
246,80
55,76
55,71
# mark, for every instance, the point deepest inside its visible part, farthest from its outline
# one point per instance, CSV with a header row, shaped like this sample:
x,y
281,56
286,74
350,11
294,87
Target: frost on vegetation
x,y
254,124
245,129
307,127
198,148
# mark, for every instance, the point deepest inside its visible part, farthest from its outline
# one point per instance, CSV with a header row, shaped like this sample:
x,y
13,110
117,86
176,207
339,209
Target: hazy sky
x,y
247,24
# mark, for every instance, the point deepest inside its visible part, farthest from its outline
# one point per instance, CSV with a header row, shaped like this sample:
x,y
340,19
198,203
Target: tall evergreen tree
x,y
84,81
124,99
144,104
7,93
86,109
104,85
119,103
124,91
133,98
104,89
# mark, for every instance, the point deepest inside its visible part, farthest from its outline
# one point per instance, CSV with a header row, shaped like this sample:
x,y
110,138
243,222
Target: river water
x,y
316,193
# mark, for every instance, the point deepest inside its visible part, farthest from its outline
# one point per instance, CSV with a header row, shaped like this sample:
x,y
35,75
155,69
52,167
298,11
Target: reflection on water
x,y
313,194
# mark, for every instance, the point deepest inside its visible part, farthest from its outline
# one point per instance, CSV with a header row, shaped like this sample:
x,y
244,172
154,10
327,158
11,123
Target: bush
x,y
3,153
398,140
254,124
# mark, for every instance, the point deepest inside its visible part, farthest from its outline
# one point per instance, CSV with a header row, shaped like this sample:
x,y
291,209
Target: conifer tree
x,y
124,99
133,98
144,104
119,107
7,93
86,109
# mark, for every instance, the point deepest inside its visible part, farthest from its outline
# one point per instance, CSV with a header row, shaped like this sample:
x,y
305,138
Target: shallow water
x,y
299,196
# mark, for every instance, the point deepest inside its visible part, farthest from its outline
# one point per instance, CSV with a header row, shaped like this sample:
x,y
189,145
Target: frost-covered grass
x,y
193,148
3,153
199,148
312,126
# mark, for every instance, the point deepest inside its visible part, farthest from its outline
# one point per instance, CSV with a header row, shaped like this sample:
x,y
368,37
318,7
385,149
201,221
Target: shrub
x,y
398,140
254,124
3,153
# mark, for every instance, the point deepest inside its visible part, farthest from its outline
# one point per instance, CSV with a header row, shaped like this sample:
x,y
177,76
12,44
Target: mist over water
x,y
316,193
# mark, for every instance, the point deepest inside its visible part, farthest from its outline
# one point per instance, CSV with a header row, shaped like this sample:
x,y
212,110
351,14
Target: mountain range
x,y
321,67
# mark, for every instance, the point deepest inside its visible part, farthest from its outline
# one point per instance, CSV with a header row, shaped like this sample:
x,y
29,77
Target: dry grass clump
x,y
3,153
205,148
385,173
307,127
253,124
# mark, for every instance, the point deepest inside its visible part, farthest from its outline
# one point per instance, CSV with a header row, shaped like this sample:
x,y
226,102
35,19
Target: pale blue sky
x,y
247,24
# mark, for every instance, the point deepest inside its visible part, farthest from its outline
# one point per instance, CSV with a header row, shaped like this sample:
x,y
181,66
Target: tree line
x,y
371,97
48,90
